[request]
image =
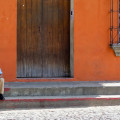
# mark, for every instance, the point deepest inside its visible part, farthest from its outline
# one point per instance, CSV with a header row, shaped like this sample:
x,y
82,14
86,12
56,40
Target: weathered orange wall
x,y
93,58
8,38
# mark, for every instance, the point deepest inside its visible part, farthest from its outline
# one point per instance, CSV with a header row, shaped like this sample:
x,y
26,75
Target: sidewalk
x,y
83,113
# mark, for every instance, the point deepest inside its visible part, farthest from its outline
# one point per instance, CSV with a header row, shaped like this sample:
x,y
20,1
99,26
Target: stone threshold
x,y
62,88
62,84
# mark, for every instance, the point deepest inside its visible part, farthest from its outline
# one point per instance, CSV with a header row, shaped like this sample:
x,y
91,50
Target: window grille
x,y
114,22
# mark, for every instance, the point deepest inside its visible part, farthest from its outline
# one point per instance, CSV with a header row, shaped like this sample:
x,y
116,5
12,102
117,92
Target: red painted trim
x,y
65,99
7,89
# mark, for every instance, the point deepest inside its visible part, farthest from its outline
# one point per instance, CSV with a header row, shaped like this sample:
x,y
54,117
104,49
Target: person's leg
x,y
1,85
1,88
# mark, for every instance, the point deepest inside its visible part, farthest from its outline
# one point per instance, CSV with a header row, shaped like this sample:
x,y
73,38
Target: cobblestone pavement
x,y
88,113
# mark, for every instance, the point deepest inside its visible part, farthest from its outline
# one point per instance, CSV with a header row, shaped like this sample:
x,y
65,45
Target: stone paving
x,y
83,113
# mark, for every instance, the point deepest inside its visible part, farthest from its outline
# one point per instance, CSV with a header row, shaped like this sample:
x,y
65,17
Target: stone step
x,y
61,88
59,101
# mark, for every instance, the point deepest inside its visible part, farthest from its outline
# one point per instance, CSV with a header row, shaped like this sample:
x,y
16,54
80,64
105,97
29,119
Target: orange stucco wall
x,y
94,60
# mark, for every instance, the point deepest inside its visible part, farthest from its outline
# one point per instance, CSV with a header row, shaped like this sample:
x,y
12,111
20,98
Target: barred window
x,y
114,22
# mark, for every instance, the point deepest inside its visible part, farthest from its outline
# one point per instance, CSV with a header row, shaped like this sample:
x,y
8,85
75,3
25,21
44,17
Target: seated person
x,y
1,86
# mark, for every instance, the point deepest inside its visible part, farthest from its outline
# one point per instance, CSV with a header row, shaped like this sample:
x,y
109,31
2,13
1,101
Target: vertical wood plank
x,y
56,47
35,40
29,48
49,42
61,37
45,37
19,64
39,46
66,45
22,37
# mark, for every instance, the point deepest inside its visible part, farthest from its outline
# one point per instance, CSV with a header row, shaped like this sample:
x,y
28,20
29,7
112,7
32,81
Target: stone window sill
x,y
116,48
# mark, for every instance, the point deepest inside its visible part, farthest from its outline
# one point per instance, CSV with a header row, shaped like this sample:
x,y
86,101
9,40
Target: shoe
x,y
2,97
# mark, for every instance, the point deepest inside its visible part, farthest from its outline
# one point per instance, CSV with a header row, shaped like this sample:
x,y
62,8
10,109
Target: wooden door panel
x,y
36,38
43,38
22,38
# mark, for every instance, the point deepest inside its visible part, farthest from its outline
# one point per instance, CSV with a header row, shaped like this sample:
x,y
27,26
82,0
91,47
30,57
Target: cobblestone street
x,y
88,113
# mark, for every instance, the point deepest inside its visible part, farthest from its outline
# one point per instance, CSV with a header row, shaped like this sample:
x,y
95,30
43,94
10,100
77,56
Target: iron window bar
x,y
114,22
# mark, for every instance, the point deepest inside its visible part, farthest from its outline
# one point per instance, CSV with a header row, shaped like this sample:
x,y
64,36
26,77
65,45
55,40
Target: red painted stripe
x,y
56,100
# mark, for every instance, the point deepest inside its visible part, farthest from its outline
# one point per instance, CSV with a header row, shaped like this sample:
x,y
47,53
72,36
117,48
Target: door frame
x,y
72,38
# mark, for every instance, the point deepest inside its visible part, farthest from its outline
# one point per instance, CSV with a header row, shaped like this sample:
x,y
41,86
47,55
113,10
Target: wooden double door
x,y
43,38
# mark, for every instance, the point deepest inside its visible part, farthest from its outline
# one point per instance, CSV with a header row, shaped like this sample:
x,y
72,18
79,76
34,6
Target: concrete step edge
x,y
59,101
83,97
61,84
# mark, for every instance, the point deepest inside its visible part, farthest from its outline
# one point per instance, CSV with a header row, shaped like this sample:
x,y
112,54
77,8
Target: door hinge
x,y
71,13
